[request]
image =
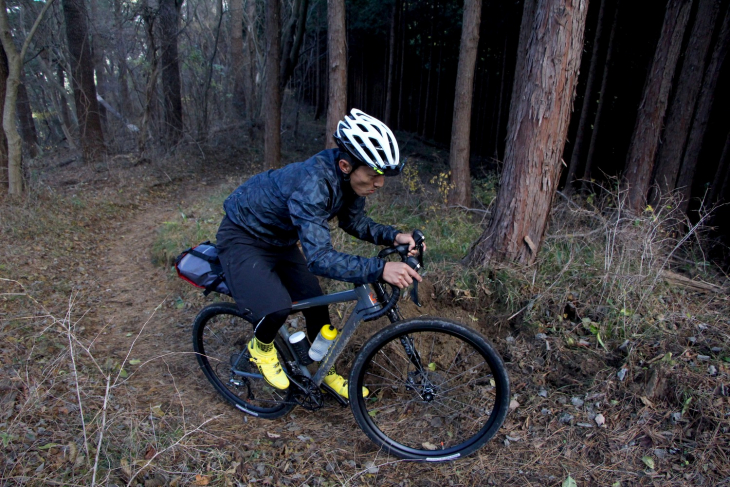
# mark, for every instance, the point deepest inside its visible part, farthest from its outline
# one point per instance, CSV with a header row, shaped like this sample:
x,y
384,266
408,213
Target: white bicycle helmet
x,y
369,141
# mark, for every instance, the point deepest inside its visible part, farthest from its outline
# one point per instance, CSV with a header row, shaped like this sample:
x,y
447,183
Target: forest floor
x,y
133,408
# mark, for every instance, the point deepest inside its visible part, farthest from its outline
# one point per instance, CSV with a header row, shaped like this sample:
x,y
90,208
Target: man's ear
x,y
345,166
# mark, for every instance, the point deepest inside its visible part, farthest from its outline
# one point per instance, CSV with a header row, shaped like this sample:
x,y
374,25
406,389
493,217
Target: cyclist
x,y
267,215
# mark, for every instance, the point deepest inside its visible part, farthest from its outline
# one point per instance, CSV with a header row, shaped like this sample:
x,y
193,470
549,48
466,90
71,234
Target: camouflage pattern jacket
x,y
296,202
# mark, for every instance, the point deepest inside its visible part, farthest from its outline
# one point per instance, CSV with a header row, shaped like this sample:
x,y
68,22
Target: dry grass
x,y
592,329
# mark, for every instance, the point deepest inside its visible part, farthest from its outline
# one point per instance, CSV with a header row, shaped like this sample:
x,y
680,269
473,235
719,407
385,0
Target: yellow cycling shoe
x,y
339,384
268,363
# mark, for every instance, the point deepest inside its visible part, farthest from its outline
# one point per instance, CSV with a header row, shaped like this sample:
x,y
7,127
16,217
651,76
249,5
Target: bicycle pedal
x,y
325,388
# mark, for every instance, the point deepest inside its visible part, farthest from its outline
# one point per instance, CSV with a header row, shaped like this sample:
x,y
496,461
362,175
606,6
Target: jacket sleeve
x,y
308,207
353,220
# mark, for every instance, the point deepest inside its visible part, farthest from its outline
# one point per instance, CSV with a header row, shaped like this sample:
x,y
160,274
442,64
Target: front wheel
x,y
220,336
438,390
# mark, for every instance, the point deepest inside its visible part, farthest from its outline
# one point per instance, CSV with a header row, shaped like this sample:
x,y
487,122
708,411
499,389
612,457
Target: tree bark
x,y
15,66
292,40
682,107
272,94
459,153
337,67
602,96
587,103
237,60
27,126
722,175
702,114
169,19
3,139
645,138
251,64
551,41
87,108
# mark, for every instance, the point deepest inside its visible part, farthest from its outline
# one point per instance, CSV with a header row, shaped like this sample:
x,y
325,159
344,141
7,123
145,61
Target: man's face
x,y
365,181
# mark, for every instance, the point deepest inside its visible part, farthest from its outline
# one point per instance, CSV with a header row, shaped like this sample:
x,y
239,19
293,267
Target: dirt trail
x,y
143,307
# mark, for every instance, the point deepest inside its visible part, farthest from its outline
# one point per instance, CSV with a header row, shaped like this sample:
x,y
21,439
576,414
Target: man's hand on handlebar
x,y
407,238
400,274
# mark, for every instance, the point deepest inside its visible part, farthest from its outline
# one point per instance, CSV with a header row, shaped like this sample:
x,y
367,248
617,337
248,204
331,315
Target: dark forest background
x,y
173,72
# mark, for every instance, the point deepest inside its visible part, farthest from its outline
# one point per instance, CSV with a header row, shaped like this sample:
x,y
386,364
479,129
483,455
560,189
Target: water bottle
x,y
322,343
300,345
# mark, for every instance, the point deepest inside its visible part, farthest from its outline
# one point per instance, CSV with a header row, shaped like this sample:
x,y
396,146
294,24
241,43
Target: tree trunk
x,y
169,15
702,114
69,125
237,60
459,153
251,64
15,66
97,54
645,138
27,126
720,181
3,140
391,64
337,67
602,96
682,107
551,41
150,89
87,108
292,40
587,103
272,94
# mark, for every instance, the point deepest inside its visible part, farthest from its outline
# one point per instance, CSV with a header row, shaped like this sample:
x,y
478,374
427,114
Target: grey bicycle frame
x,y
366,303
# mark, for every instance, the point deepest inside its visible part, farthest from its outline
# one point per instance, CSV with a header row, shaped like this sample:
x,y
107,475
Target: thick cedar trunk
x,y
602,96
391,64
682,107
645,138
237,63
337,67
272,93
459,153
27,126
702,113
87,108
168,18
551,41
587,103
3,140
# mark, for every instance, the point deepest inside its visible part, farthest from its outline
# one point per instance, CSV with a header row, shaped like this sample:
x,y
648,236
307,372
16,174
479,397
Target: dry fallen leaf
x,y
201,480
272,435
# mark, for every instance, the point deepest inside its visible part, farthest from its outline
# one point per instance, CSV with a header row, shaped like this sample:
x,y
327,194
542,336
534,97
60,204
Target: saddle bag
x,y
201,267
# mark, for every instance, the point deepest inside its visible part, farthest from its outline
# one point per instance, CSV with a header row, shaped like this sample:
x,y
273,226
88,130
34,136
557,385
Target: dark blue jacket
x,y
295,203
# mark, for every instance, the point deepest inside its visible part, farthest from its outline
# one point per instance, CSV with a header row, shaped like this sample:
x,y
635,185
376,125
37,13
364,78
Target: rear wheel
x,y
220,336
438,390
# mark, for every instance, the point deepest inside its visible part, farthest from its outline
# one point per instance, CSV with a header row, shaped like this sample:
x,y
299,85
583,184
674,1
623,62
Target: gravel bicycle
x,y
438,389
